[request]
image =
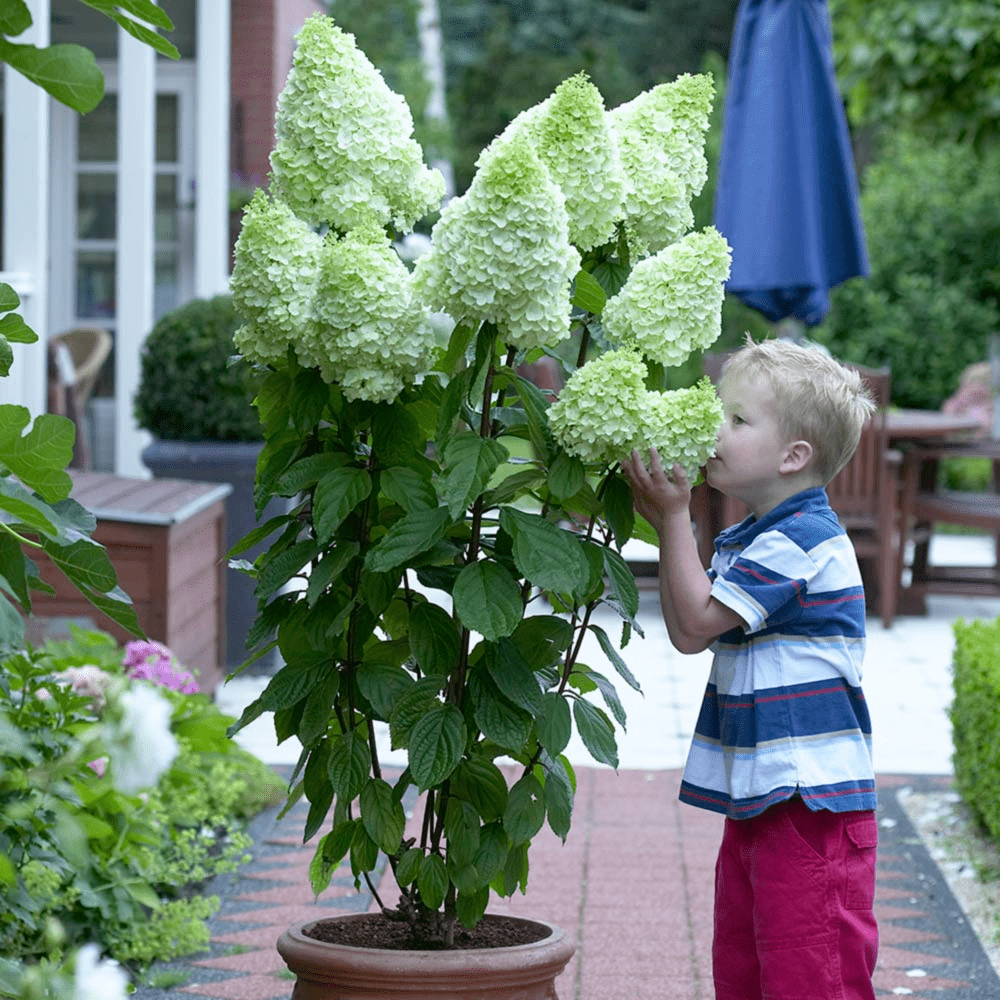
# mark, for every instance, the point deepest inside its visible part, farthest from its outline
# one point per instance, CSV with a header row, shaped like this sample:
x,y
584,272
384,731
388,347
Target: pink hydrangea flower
x,y
148,660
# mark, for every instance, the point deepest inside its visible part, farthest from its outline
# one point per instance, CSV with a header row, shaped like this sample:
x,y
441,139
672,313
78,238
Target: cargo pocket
x,y
863,837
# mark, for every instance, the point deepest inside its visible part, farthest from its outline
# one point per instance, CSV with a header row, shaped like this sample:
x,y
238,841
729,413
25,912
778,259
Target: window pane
x,y
166,128
98,132
95,206
95,284
166,207
166,282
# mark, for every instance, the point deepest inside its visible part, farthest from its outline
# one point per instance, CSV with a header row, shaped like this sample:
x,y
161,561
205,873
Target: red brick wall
x,y
263,40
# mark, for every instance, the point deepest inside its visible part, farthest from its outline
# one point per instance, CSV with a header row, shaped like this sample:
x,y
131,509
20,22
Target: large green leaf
x,y
290,685
307,472
275,571
337,494
481,783
535,405
14,17
619,508
432,882
117,605
410,707
525,810
409,488
596,731
26,508
409,536
493,847
588,294
382,815
14,329
558,800
549,556
554,723
14,569
434,639
349,764
327,569
488,599
615,657
330,851
315,719
11,625
622,581
68,72
437,742
500,721
470,462
567,476
382,685
513,676
38,458
461,831
131,14
85,562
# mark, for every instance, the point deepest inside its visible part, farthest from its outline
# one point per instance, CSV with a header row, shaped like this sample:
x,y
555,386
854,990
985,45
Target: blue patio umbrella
x,y
787,194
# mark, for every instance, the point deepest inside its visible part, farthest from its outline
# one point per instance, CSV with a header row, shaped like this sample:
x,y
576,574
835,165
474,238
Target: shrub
x,y
932,220
188,390
975,719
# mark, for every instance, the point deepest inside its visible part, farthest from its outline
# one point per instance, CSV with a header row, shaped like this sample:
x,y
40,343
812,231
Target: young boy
x,y
782,745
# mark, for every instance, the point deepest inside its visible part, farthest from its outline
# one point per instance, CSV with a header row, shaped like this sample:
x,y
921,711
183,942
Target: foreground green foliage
x,y
106,866
975,719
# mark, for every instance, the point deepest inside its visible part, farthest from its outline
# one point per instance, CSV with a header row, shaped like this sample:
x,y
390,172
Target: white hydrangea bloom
x,y
138,738
345,153
501,252
274,278
661,138
671,304
597,414
371,334
572,136
95,979
682,425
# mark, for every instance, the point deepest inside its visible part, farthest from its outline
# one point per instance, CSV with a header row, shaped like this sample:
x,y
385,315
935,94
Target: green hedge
x,y
932,221
975,719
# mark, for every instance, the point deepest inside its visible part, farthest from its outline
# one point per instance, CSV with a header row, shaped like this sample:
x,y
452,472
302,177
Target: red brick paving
x,y
632,885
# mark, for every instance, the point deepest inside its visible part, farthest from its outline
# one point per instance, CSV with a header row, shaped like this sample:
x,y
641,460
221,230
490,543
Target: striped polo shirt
x,y
783,711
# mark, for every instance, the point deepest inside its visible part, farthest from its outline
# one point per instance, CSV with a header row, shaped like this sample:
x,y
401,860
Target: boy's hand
x,y
656,494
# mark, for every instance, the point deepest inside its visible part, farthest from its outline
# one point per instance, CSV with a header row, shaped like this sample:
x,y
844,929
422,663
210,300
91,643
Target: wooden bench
x,y
166,539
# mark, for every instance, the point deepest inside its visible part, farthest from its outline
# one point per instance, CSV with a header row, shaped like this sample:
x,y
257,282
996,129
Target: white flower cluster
x,y
671,303
660,138
501,252
369,335
682,425
138,738
345,154
274,279
605,410
596,416
572,136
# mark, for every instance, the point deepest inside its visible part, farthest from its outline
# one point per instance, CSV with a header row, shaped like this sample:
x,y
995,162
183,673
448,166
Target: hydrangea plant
x,y
454,527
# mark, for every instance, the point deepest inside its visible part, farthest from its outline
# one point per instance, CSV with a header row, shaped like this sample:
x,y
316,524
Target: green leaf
x,y
68,72
615,657
588,294
437,742
349,764
622,579
275,571
38,458
14,569
330,851
327,569
434,639
27,509
411,707
470,462
6,358
535,405
513,676
290,685
318,708
461,831
337,494
550,557
409,536
14,18
482,784
611,276
558,801
470,906
364,851
610,696
525,810
14,329
140,10
458,344
542,639
408,488
383,685
567,476
408,866
554,724
11,626
502,722
117,605
487,599
493,847
85,563
9,299
432,882
596,731
307,472
619,508
382,815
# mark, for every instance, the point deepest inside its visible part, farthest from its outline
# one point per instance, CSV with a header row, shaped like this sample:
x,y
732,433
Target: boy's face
x,y
751,444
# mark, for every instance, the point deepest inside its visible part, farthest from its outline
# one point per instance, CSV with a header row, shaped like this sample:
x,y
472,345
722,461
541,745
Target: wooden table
x,y
166,539
906,426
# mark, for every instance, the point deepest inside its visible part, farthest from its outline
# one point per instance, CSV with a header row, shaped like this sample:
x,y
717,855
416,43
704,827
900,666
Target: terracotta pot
x,y
332,971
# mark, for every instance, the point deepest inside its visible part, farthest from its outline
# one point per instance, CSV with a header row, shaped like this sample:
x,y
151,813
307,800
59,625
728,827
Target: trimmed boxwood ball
x,y
188,390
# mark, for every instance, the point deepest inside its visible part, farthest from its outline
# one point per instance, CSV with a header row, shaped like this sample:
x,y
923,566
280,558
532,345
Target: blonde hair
x,y
818,399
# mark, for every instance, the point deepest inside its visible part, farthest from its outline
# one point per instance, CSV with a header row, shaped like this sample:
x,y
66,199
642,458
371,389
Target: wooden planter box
x,y
166,539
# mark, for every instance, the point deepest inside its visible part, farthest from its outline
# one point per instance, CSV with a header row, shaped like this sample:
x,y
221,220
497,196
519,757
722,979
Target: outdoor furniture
x,y
75,360
166,541
925,504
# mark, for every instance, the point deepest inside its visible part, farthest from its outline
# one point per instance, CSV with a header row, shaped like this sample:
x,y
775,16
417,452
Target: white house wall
x,y
25,222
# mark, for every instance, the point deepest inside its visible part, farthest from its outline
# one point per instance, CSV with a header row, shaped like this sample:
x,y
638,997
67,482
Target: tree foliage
x,y
933,64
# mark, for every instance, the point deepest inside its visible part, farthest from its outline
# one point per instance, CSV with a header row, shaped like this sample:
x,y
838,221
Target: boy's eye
x,y
737,419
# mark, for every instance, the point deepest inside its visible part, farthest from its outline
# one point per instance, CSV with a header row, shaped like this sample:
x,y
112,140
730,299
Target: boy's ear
x,y
798,455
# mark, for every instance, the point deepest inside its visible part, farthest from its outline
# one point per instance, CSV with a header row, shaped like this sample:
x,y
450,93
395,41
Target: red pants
x,y
794,891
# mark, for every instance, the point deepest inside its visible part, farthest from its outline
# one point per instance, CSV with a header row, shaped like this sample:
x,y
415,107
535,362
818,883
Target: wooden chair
x,y
925,505
864,495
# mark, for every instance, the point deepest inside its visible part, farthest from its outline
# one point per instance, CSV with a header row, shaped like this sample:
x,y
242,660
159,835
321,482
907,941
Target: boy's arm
x,y
694,618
